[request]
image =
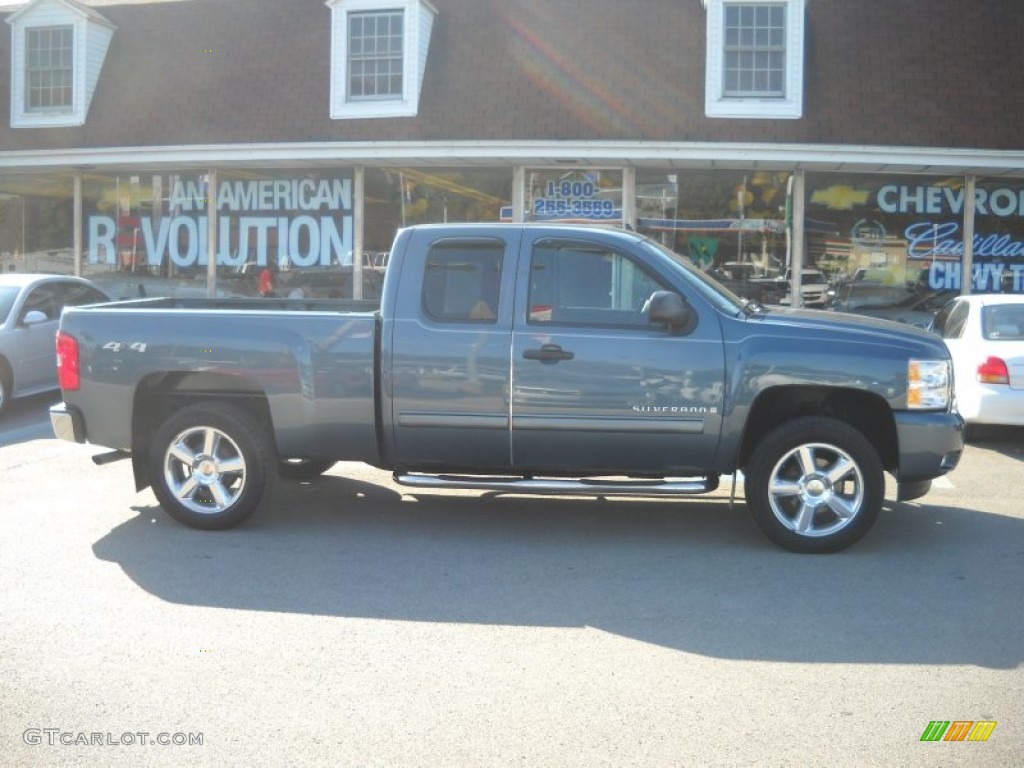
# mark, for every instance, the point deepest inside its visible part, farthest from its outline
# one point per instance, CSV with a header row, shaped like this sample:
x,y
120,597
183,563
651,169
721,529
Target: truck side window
x,y
588,284
462,281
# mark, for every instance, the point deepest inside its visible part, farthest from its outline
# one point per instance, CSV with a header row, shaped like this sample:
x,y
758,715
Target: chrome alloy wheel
x,y
205,470
816,490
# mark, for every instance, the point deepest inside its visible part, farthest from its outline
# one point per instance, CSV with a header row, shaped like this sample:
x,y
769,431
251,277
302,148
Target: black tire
x,y
303,469
815,485
210,465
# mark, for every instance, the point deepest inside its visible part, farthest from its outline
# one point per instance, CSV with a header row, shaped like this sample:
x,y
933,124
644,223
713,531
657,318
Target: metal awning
x,y
611,154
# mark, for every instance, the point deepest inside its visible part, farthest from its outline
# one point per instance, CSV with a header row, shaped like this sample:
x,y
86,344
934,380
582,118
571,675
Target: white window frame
x,y
24,117
342,106
787,106
50,31
378,58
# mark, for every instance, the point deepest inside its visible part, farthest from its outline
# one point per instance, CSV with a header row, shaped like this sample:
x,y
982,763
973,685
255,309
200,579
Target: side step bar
x,y
569,487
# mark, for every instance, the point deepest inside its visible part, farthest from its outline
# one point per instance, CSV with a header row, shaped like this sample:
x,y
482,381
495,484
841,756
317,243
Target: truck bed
x,y
311,360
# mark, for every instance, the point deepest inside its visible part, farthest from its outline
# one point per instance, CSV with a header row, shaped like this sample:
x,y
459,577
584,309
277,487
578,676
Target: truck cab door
x,y
596,387
449,353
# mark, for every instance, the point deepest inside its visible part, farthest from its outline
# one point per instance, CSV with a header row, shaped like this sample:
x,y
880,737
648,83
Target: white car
x,y
985,337
30,307
813,287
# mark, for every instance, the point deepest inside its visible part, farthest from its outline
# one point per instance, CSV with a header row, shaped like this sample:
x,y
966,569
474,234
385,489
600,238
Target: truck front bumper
x,y
930,444
67,423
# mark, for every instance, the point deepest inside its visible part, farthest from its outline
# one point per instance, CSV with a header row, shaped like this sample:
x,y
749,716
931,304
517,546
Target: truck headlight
x,y
929,384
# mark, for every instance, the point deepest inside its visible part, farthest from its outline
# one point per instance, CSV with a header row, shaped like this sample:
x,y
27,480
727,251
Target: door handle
x,y
548,353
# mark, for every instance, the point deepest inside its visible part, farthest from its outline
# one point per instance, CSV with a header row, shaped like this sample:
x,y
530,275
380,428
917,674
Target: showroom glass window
x,y
143,233
297,223
49,68
146,233
579,196
37,223
909,230
399,197
999,236
728,222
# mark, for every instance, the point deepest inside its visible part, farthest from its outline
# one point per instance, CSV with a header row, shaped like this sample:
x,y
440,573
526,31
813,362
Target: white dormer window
x,y
378,56
57,51
375,43
755,58
49,69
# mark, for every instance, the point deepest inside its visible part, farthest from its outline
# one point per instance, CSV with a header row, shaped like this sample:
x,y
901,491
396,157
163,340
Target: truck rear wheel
x,y
815,485
210,465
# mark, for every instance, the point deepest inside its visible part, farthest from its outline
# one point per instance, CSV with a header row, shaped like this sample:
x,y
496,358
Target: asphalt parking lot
x,y
351,622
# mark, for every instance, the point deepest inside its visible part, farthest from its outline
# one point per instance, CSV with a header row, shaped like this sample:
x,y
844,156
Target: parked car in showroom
x,y
854,295
890,302
813,287
985,338
30,307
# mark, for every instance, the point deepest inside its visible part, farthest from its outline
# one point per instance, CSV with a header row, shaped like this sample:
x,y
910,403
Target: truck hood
x,y
841,325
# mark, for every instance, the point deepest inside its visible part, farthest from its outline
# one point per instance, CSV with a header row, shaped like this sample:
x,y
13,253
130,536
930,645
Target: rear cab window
x,y
462,281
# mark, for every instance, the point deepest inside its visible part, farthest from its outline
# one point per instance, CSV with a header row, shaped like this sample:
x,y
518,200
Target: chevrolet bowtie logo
x,y
840,197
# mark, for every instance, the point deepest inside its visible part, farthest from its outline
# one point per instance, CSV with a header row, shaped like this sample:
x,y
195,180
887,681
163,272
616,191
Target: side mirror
x,y
34,317
671,310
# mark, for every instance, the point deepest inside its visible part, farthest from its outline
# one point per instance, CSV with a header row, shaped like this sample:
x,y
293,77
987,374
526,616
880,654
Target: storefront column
x,y
629,198
967,265
519,194
78,223
797,238
358,205
211,233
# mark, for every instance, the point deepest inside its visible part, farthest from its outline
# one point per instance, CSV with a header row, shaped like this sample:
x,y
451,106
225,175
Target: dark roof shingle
x,y
912,73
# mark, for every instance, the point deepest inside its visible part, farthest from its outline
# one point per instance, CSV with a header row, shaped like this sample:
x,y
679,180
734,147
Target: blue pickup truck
x,y
542,359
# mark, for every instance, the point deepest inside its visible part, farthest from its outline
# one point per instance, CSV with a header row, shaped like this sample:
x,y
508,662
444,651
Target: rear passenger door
x,y
449,372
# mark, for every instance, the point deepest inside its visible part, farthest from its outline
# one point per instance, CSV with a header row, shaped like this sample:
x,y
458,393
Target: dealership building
x,y
196,141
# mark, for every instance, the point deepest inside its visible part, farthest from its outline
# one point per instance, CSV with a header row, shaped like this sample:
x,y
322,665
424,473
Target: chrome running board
x,y
568,487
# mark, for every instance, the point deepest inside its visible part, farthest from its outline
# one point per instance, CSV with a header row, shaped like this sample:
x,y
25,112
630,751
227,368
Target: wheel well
x,y
866,412
6,373
160,394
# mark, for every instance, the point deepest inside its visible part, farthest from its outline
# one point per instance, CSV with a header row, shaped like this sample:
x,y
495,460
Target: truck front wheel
x,y
815,485
210,465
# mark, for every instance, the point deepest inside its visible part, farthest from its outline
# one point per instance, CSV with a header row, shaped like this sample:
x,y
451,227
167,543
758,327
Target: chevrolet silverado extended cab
x,y
534,359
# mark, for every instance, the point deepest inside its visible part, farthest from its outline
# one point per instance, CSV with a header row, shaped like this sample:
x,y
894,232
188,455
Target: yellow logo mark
x,y
840,197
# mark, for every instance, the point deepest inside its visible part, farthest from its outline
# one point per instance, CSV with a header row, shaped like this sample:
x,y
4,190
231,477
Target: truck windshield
x,y
719,296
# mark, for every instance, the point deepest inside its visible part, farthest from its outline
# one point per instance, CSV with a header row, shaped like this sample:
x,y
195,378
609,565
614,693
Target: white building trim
x,y
811,157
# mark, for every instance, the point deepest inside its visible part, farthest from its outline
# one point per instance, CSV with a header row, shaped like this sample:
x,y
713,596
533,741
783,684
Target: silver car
x,y
30,307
